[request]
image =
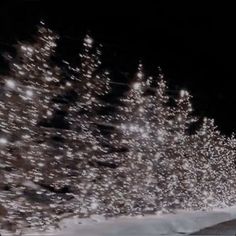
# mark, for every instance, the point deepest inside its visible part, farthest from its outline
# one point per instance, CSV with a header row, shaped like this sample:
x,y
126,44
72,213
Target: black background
x,y
194,47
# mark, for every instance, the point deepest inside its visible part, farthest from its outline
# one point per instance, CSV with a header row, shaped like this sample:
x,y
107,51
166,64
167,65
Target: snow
x,y
182,222
169,224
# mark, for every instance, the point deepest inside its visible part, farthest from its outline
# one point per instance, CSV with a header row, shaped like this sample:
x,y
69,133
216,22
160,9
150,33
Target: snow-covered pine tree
x,y
180,149
130,195
129,118
167,143
141,127
27,154
31,78
214,165
89,83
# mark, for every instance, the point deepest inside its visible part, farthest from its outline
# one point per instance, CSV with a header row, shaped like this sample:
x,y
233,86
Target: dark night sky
x,y
195,49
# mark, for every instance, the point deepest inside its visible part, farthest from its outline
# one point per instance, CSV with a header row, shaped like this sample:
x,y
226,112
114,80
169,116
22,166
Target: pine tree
x,y
214,165
31,77
89,83
141,127
182,122
27,153
134,173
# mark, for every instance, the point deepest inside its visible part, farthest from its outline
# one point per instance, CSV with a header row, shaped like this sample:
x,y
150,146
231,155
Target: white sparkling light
x,y
11,83
88,40
49,113
141,109
179,118
137,86
48,78
68,84
29,93
140,75
183,93
3,141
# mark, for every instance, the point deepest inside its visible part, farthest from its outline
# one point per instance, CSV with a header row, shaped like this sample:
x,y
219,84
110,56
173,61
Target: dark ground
x,y
224,229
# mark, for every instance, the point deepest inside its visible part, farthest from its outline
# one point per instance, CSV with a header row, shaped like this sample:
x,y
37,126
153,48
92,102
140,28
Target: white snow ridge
x,y
181,223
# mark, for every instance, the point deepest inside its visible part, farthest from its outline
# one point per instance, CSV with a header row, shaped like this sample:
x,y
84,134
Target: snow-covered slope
x,y
168,224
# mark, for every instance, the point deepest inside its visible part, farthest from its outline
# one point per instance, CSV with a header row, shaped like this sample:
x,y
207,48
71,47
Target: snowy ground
x,y
169,224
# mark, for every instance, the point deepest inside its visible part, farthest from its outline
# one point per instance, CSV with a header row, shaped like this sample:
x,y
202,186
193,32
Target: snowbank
x,y
168,224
